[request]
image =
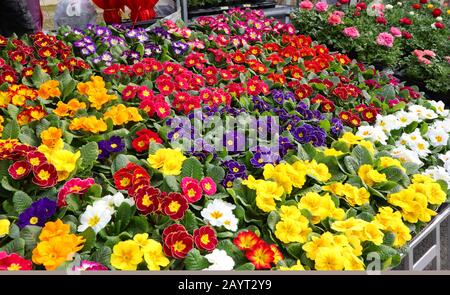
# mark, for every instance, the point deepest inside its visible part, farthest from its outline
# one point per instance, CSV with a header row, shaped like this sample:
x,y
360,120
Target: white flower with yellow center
x,y
406,118
96,217
419,110
372,133
440,108
219,213
438,173
406,155
387,123
444,125
421,147
437,137
114,201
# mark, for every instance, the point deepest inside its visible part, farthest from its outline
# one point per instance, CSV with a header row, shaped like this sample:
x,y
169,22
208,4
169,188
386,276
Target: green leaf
x,y
15,246
102,255
89,153
14,231
73,203
246,266
325,124
189,221
273,219
119,162
195,261
389,238
13,111
217,173
30,234
362,155
295,249
21,201
192,168
11,130
232,251
351,165
123,216
39,76
172,183
7,186
138,224
89,236
95,191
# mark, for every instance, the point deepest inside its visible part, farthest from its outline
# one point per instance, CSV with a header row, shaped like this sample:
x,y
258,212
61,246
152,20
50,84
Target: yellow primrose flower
x,y
168,161
293,213
266,194
350,138
430,5
332,152
329,258
311,248
141,239
154,255
49,89
52,138
290,231
388,162
413,205
297,266
90,124
126,255
372,233
319,206
351,261
96,92
318,171
349,225
120,114
419,178
370,176
4,227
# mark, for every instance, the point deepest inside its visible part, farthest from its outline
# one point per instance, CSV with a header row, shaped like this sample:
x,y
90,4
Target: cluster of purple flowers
x,y
307,114
138,34
233,170
161,33
114,144
279,96
263,155
86,46
180,48
336,127
307,133
38,213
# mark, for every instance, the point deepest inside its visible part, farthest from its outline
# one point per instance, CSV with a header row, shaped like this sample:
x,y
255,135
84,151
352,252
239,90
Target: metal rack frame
x,y
433,230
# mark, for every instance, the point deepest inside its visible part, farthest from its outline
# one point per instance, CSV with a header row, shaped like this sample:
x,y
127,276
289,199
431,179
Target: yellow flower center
x,y
34,220
179,246
205,239
208,185
124,181
146,201
14,266
439,138
20,170
75,188
216,214
44,175
93,221
113,145
174,206
191,192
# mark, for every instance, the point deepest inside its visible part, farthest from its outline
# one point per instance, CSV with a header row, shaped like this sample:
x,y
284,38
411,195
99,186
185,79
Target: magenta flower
x,y
396,32
351,32
306,5
334,19
321,6
385,39
74,186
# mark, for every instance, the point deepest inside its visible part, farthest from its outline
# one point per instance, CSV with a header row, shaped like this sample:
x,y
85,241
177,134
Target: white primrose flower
x,y
372,133
220,260
387,123
421,147
406,155
411,13
444,157
114,201
96,217
406,118
439,18
399,3
430,114
437,136
444,125
220,213
389,6
419,110
410,139
438,173
440,108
